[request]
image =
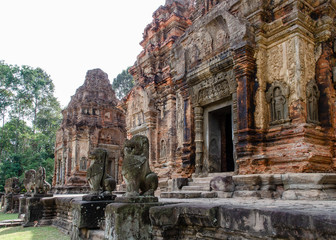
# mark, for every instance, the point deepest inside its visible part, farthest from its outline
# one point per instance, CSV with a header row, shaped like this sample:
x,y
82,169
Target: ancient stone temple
x,y
237,86
91,120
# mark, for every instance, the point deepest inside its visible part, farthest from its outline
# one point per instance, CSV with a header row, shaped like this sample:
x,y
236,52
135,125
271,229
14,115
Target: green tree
x,y
123,83
8,86
31,115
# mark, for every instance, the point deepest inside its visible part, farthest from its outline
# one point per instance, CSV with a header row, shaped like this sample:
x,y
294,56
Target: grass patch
x,y
32,233
8,216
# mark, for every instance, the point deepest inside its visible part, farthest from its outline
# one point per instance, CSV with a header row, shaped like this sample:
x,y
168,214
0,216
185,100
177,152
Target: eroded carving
x,y
29,180
313,95
135,170
12,185
277,96
41,185
101,184
214,89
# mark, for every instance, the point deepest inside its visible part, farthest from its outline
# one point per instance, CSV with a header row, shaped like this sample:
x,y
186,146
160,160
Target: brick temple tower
x,y
90,120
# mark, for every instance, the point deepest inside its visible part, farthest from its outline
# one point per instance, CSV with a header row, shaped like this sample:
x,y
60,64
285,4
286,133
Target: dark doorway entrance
x,y
220,140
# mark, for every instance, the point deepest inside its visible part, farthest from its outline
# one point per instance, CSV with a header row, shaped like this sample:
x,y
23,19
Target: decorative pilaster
x,y
199,139
244,68
151,125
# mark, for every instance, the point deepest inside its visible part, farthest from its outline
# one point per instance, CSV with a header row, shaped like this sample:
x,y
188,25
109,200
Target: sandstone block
x,y
128,221
305,181
224,184
247,182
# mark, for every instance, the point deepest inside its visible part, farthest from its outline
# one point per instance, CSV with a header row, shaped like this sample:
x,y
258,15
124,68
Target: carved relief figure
x,y
194,54
99,181
135,170
29,180
278,104
206,43
163,149
83,163
277,97
41,186
313,95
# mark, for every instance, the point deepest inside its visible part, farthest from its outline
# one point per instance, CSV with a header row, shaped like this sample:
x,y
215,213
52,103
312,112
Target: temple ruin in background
x,y
91,120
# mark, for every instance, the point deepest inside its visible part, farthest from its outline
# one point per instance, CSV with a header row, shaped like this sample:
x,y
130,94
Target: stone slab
x,y
95,197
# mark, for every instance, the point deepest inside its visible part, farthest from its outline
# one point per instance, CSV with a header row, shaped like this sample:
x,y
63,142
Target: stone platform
x,y
243,219
204,218
290,186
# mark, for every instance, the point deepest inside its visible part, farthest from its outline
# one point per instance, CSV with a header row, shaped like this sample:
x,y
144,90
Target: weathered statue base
x,y
11,203
129,218
34,209
99,197
87,215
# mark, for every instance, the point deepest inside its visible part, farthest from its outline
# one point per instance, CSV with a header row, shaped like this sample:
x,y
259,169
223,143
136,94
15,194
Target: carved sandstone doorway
x,y
219,156
220,140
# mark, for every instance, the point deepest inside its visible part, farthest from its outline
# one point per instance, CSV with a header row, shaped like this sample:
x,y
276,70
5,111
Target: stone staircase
x,y
198,187
96,234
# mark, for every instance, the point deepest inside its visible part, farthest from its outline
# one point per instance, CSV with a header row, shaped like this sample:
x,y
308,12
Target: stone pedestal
x,y
34,209
128,218
23,205
87,215
49,211
11,203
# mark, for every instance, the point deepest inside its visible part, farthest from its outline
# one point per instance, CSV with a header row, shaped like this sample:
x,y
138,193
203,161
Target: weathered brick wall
x,y
271,61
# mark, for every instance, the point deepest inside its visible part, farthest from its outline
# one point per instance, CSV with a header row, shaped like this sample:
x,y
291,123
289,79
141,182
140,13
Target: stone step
x,y
201,180
220,174
188,194
196,188
96,235
202,184
11,223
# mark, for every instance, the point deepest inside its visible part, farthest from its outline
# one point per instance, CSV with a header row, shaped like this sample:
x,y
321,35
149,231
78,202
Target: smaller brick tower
x,y
91,120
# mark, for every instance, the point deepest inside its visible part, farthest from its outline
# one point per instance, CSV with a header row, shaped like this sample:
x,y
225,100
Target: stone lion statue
x,y
41,186
12,185
135,170
29,180
99,181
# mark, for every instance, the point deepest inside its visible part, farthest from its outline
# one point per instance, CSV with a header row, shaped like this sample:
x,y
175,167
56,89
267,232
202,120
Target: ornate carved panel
x,y
215,88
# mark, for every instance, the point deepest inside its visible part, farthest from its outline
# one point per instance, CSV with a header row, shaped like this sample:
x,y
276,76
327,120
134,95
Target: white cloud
x,y
67,38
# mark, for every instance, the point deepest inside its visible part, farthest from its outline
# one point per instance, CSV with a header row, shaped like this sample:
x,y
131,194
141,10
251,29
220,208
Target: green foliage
x,y
30,117
123,83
